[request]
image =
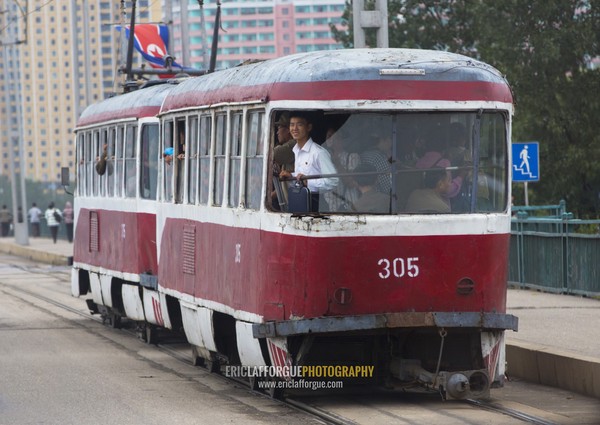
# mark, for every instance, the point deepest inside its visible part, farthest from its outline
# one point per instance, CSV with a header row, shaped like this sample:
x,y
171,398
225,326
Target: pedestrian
x,y
34,214
53,218
5,220
68,216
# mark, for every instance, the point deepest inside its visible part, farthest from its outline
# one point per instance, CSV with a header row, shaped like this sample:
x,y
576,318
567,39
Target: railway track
x,y
317,406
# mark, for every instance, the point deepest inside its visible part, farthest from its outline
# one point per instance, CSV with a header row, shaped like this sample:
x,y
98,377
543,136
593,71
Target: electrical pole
x,y
10,58
185,31
370,19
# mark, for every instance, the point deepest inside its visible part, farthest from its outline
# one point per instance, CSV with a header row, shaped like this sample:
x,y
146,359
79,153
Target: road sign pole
x,y
526,195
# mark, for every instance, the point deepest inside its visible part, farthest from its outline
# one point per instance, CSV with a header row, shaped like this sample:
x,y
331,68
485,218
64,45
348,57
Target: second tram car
x,y
403,266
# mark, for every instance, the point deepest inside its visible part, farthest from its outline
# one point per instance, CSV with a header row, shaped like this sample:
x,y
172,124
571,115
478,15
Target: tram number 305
x,y
398,267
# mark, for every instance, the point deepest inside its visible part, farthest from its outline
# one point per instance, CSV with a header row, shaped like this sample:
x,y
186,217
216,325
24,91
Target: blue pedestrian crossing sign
x,y
525,162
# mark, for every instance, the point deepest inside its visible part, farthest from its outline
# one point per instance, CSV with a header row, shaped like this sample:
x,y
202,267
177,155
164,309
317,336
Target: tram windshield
x,y
410,163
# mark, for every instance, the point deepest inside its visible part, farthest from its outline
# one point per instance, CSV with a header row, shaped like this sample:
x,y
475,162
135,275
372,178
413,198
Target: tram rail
x,y
293,401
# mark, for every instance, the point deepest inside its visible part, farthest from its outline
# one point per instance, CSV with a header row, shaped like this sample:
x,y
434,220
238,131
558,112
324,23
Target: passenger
x,y
434,158
181,141
346,193
431,199
283,154
181,154
168,155
380,158
310,159
101,160
371,200
457,143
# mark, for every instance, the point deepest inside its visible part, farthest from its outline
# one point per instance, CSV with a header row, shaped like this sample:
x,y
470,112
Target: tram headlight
x,y
343,296
465,286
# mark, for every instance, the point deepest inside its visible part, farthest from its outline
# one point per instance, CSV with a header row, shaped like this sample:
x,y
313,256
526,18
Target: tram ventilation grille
x,y
189,249
94,232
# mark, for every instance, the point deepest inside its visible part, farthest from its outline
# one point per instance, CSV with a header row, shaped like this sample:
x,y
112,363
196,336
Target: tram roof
x,y
141,103
349,74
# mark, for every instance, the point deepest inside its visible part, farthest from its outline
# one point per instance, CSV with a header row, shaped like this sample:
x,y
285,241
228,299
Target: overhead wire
x,y
24,16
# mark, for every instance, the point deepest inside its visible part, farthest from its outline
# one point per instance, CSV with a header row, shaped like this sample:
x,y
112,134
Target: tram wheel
x,y
253,383
114,321
274,392
212,366
197,360
151,334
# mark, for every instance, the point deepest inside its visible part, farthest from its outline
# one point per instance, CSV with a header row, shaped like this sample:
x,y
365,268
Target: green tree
x,y
544,48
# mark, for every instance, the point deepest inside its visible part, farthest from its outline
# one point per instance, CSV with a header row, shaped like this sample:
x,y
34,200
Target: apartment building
x,y
60,56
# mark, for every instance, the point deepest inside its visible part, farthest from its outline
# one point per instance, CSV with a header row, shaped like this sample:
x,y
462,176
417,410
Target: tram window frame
x,y
129,162
167,168
205,153
96,149
363,131
254,159
235,157
102,181
149,150
493,163
179,163
91,164
219,158
119,161
192,159
110,159
82,165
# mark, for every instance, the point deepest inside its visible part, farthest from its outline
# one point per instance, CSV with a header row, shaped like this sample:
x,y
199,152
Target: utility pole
x,y
12,69
370,19
185,31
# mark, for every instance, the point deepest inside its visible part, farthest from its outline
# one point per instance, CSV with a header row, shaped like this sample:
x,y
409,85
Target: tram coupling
x,y
457,385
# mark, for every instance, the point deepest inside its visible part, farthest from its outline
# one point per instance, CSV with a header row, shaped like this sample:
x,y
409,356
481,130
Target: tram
x,y
403,265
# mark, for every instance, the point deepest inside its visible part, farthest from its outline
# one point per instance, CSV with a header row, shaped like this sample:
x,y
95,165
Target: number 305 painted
x,y
399,267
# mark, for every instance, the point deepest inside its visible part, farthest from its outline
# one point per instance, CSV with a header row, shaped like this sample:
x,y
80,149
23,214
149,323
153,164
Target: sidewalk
x,y
40,249
558,342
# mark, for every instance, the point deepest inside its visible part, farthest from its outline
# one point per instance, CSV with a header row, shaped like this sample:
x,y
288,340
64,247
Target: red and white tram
x,y
416,291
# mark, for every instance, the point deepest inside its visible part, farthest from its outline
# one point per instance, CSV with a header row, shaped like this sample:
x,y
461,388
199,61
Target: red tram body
x,y
198,245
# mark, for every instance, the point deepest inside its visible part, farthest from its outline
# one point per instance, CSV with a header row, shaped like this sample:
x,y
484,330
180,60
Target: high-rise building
x,y
57,57
259,29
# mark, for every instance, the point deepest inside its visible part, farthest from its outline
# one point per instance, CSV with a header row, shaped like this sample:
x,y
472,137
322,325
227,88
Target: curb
x,y
36,255
547,366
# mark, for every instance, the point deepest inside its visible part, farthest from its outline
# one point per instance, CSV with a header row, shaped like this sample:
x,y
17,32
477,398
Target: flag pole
x,y
130,83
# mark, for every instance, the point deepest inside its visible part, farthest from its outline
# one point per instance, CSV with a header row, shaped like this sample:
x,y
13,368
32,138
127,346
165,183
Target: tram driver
x,y
311,159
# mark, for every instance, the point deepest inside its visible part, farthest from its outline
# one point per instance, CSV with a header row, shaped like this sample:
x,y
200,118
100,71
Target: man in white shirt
x,y
310,159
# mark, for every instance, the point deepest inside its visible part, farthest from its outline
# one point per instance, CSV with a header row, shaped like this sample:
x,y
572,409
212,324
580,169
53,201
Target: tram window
x,y
91,164
492,177
235,159
129,158
403,150
219,167
119,162
97,153
103,144
179,160
167,162
254,158
192,151
149,161
110,163
81,164
204,153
